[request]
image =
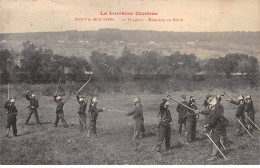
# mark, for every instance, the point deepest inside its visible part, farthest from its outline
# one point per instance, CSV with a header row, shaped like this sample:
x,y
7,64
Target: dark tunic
x,y
182,110
60,104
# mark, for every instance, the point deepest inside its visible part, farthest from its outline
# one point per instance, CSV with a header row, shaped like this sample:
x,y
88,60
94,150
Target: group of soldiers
x,y
34,104
214,123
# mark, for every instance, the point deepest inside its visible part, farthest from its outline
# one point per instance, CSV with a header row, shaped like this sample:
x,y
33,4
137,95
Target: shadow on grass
x,y
149,134
177,145
45,123
25,133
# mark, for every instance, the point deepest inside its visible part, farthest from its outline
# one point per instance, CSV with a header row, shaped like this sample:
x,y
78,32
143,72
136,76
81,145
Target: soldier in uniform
x,y
34,104
250,112
224,123
11,116
82,113
164,128
93,114
239,114
182,110
59,112
191,121
137,114
218,106
214,125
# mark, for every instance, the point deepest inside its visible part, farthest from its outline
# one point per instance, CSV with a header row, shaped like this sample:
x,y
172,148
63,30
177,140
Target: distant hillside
x,y
112,41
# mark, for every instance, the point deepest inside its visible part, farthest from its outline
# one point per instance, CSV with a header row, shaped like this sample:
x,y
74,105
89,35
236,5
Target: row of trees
x,y
177,65
37,64
43,65
149,63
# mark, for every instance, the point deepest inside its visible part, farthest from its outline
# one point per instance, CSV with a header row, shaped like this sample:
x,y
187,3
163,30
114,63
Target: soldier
x,y
93,113
191,121
214,125
34,104
137,114
250,112
239,114
224,123
59,112
164,128
11,116
182,110
82,113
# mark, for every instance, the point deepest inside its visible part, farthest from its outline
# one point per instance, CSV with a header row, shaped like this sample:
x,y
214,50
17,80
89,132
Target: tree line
x,y
37,64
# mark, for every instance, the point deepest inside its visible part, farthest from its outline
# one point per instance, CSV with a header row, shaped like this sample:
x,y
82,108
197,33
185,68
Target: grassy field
x,y
47,145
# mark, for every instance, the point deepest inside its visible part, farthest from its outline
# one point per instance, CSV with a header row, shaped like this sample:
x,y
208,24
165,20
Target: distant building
x,y
3,41
61,41
88,72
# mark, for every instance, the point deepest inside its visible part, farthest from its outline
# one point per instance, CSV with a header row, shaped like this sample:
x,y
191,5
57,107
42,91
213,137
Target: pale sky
x,y
198,15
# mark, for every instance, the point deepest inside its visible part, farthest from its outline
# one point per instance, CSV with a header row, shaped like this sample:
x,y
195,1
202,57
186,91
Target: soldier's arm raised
x,y
27,96
55,100
77,96
6,105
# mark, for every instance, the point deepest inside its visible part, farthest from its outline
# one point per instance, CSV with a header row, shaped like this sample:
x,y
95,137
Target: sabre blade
x,y
83,86
8,91
253,123
245,128
183,104
117,111
58,85
216,146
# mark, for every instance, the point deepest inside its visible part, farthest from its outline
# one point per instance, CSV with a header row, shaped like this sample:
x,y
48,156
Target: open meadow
x,y
45,144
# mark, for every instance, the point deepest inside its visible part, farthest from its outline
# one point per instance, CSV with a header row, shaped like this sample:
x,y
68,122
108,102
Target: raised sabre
x,y
58,85
227,94
223,145
83,86
182,104
117,111
8,90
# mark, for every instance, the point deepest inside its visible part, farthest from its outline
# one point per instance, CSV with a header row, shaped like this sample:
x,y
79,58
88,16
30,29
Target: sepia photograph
x,y
129,82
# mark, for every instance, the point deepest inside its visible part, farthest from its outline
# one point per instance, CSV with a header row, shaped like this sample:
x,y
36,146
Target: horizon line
x,y
133,30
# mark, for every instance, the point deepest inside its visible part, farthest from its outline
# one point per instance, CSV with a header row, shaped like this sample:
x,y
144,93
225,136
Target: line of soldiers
x,y
34,104
244,106
215,122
